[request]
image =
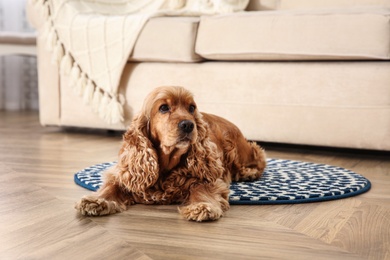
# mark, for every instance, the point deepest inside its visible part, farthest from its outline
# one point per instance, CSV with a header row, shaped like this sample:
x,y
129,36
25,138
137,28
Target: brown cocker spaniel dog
x,y
172,153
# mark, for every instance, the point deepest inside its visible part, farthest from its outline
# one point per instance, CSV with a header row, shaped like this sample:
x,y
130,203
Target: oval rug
x,y
283,182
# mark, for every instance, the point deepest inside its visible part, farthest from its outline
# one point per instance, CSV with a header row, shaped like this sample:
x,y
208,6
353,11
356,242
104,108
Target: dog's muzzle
x,y
186,126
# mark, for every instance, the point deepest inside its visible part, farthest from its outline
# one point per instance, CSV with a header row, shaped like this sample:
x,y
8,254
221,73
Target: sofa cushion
x,y
296,35
167,39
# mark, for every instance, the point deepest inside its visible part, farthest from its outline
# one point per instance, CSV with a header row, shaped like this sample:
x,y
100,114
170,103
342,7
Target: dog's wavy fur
x,y
162,161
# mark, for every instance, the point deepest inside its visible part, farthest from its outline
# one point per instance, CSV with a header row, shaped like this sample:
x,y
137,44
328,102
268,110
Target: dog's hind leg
x,y
249,163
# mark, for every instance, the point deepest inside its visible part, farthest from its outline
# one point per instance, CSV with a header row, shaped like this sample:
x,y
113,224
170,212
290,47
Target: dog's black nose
x,y
186,126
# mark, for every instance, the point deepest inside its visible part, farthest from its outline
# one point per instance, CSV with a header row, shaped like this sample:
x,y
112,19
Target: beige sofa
x,y
313,72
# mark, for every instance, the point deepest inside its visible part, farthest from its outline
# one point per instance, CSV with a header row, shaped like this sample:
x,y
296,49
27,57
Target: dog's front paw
x,y
201,212
95,206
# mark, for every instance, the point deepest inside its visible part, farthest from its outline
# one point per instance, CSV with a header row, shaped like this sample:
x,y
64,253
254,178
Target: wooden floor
x,y
37,219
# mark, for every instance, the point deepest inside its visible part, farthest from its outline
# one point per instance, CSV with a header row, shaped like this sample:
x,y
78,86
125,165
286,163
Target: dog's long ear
x,y
138,162
204,160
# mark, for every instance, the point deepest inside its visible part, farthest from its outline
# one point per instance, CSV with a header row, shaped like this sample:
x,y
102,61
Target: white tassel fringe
x,y
58,54
106,105
116,112
74,75
46,10
81,84
51,39
96,100
88,92
66,64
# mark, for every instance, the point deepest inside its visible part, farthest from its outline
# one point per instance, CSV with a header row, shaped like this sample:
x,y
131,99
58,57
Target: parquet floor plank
x,y
35,225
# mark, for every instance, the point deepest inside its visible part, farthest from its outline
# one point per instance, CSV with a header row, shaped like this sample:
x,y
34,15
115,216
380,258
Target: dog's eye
x,y
164,108
192,109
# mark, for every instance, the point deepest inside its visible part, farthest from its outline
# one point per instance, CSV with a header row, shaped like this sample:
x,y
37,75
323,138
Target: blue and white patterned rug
x,y
283,182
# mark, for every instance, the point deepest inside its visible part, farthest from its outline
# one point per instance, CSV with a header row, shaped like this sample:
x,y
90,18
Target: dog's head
x,y
168,127
172,118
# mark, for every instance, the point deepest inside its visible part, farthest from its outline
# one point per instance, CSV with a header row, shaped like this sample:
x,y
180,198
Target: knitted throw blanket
x,y
91,41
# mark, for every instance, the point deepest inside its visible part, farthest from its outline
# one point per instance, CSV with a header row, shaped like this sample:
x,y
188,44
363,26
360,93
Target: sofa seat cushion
x,y
170,39
330,34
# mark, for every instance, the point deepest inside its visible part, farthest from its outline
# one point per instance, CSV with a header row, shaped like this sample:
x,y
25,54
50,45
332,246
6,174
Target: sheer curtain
x,y
18,73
